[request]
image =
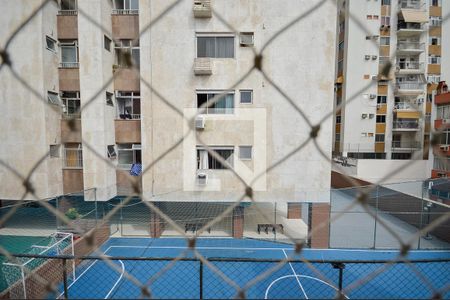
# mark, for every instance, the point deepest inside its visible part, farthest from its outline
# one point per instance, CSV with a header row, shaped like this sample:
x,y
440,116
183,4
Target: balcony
x,y
405,145
410,4
405,126
125,26
411,67
202,9
128,131
413,48
125,11
67,24
410,29
126,79
405,110
69,79
442,98
71,131
409,88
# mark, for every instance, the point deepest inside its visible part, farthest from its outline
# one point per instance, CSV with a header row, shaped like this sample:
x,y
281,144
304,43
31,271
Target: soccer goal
x,y
28,277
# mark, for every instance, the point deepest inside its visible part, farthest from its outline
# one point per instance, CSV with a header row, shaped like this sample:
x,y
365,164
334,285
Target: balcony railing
x,y
410,46
410,4
412,65
125,11
129,116
69,65
404,86
73,158
405,125
441,164
405,145
68,12
410,26
403,106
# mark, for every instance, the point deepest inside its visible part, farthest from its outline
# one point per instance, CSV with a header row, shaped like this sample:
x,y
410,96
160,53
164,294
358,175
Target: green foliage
x,y
72,213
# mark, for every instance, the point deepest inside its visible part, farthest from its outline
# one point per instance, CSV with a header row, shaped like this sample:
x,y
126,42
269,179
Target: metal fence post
x,y
66,295
341,267
201,280
376,219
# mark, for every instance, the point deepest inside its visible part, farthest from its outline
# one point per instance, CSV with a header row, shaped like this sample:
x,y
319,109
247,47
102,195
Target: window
x,y
379,138
384,41
206,161
71,104
107,43
443,112
436,3
337,137
222,104
434,59
369,17
245,152
53,98
433,78
215,46
124,49
109,99
128,105
434,40
375,17
68,4
111,151
246,96
129,154
435,21
385,2
338,119
126,6
381,118
246,39
50,44
69,54
54,151
381,99
73,156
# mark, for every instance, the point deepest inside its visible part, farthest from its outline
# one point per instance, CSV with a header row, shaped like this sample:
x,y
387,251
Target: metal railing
x,y
73,158
441,163
405,125
412,65
68,12
405,86
404,106
69,65
410,26
410,4
405,145
128,117
125,11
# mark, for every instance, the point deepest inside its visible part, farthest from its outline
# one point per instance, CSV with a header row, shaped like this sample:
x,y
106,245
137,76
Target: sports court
x,y
243,260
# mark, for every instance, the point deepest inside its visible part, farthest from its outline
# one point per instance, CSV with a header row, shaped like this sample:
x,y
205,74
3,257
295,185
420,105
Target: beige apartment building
x,y
132,117
385,119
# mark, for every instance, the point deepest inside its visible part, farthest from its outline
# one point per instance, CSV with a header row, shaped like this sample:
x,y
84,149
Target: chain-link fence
x,y
196,273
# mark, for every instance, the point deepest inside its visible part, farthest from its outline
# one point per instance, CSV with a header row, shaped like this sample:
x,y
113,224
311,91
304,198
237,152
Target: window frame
x,y
55,150
246,91
65,103
127,45
251,152
205,110
52,100
54,43
129,147
111,151
215,36
109,102
217,163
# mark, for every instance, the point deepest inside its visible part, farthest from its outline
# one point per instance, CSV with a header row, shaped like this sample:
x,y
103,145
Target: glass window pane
x,y
225,47
246,97
205,46
245,152
125,157
68,54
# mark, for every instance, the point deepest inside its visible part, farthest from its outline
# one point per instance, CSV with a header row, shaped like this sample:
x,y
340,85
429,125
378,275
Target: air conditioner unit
x,y
200,122
382,26
371,116
374,57
363,116
374,77
367,57
444,148
372,96
202,178
375,37
246,39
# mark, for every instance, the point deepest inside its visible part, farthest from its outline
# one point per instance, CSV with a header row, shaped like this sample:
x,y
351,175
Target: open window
x,y
206,161
69,53
126,50
53,98
126,7
71,104
111,149
128,105
220,102
129,154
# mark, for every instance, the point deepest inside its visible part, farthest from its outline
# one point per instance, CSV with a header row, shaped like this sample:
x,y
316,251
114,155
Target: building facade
x,y
386,113
122,96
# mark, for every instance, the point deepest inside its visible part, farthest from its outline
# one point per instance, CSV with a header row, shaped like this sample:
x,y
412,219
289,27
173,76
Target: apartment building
x,y
386,114
181,89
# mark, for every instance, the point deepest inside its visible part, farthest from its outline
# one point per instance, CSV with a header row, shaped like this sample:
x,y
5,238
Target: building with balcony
x,y
389,71
120,97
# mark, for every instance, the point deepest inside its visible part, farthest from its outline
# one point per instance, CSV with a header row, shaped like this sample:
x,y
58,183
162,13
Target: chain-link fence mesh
x,y
201,275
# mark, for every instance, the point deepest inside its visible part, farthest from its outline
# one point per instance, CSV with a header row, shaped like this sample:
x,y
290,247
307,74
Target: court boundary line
x,y
118,280
295,274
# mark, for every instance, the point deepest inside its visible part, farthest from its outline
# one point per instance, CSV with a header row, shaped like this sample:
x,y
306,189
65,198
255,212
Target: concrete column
x,y
320,224
238,222
294,210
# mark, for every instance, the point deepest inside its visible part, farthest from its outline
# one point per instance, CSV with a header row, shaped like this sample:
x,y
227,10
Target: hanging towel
x,y
136,169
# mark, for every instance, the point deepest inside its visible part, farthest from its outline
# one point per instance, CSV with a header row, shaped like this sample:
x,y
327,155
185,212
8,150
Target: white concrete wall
x,y
29,125
445,43
97,118
375,170
300,61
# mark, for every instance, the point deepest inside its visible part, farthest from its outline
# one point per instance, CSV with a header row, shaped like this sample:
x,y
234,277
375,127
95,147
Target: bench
x,y
271,227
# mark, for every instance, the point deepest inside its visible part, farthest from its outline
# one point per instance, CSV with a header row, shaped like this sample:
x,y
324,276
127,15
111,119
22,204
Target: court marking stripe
x,y
120,277
296,276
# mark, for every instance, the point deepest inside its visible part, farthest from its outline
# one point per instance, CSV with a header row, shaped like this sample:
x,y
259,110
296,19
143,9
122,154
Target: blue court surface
x,y
295,280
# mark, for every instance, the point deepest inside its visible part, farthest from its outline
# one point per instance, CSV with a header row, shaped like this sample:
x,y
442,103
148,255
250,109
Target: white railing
x,y
404,105
73,158
412,65
125,11
410,4
68,12
405,125
405,145
69,65
409,86
410,46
